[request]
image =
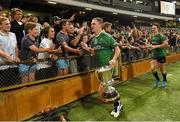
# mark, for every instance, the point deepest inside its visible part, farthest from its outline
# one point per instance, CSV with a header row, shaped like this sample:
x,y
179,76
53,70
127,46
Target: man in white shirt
x,y
8,53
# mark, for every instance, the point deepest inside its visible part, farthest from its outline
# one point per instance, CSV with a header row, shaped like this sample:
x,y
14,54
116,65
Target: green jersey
x,y
158,52
103,45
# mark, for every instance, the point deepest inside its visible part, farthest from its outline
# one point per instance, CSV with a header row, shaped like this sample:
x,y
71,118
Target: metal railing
x,y
46,70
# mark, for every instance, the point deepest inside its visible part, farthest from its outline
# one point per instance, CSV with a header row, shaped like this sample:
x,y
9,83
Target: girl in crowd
x,y
47,42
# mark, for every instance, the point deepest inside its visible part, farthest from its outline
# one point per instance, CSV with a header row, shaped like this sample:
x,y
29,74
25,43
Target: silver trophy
x,y
104,75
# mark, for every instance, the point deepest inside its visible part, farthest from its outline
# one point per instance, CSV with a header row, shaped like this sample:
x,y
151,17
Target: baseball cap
x,y
55,18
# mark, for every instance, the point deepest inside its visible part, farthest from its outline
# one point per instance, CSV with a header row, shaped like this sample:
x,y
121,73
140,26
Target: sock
x,y
164,74
115,104
155,73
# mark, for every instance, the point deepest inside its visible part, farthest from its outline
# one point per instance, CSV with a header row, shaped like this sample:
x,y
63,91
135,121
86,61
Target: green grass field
x,y
141,102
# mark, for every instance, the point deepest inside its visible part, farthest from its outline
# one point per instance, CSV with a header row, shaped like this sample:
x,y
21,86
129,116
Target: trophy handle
x,y
97,76
112,72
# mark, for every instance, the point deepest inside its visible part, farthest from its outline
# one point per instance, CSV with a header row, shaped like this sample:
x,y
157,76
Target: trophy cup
x,y
104,75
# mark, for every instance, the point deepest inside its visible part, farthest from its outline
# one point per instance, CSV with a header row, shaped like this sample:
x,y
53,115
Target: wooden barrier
x,y
135,69
173,58
23,103
20,104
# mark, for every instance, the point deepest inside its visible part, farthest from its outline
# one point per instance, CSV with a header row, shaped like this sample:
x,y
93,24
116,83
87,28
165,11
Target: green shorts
x,y
161,59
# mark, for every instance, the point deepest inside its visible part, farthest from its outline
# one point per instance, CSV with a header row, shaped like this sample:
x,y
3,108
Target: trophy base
x,y
110,97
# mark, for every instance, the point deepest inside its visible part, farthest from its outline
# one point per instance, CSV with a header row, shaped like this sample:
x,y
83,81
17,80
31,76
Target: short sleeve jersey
x,y
158,52
103,45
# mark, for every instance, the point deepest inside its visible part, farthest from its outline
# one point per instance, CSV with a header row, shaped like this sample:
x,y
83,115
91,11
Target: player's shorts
x,y
160,60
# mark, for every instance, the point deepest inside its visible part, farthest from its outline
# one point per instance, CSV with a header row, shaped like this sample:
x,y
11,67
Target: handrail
x,y
32,62
120,64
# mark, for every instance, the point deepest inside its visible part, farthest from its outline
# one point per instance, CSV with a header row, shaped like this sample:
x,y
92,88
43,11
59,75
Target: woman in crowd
x,y
47,42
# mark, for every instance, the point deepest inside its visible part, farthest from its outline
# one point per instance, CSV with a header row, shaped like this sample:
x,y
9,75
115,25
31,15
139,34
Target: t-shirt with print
x,y
60,38
26,52
158,52
103,45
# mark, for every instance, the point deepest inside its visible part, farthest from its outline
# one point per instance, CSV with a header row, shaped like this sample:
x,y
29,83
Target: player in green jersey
x,y
106,52
159,43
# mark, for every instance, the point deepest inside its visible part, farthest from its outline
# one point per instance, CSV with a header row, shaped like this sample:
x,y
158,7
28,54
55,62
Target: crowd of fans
x,y
36,49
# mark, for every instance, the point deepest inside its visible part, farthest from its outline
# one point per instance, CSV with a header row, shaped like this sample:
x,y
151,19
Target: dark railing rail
x,y
129,56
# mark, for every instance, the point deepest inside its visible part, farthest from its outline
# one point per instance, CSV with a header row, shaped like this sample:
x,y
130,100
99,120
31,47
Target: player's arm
x,y
163,45
112,62
88,49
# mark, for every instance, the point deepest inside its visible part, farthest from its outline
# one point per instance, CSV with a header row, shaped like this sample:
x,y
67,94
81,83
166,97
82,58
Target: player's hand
x,y
112,63
150,47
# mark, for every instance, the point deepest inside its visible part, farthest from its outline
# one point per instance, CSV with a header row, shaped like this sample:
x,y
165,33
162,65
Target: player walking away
x,y
159,44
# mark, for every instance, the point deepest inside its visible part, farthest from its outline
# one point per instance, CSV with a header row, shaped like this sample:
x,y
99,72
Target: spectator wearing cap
x,y
17,26
56,20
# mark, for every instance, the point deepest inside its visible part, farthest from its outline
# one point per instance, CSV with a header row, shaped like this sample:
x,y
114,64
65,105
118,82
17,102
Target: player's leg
x,y
155,73
164,73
